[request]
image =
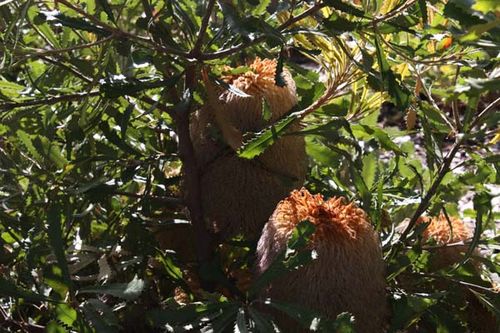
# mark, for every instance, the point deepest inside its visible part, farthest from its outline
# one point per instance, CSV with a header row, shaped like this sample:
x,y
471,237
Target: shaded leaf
x,y
128,291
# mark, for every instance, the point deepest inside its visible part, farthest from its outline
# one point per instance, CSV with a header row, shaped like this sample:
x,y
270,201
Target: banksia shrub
x,y
238,195
348,274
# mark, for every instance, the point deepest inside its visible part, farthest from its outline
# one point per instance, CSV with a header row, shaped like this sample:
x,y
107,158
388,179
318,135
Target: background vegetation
x,y
95,98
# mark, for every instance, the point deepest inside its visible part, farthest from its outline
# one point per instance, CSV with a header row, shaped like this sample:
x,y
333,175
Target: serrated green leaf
x,y
241,321
266,138
116,87
340,24
382,137
52,151
66,314
369,169
486,6
55,233
26,141
458,10
407,309
262,321
422,6
10,89
172,270
399,94
477,31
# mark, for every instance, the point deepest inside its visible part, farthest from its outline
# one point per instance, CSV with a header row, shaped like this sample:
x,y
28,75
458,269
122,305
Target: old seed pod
x,y
348,274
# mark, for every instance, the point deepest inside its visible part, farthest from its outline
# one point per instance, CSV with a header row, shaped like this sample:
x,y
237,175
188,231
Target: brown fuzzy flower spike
x,y
241,110
348,274
444,231
239,195
259,82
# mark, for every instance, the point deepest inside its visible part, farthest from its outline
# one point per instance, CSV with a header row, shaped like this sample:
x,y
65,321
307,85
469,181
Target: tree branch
x,y
203,28
485,112
424,204
7,106
121,33
241,46
395,12
43,53
166,200
192,174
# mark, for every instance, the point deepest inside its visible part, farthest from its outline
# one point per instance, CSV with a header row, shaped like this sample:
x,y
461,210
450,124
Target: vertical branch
x,y
192,173
186,151
195,52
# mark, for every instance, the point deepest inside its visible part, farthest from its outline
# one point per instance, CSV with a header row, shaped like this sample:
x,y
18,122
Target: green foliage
x,y
95,100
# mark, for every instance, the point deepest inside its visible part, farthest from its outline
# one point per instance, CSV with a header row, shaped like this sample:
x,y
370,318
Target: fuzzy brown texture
x,y
444,232
239,195
348,274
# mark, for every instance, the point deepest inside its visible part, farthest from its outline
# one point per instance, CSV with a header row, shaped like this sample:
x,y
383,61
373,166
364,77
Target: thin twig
x,y
7,106
58,62
241,46
433,103
424,204
394,13
68,49
471,285
203,28
485,112
165,200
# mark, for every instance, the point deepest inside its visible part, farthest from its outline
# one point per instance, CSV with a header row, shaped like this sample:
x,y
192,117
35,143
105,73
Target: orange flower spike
x,y
238,195
348,274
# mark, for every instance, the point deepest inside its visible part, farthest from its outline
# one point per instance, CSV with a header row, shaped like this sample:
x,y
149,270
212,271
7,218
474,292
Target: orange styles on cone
x,y
348,274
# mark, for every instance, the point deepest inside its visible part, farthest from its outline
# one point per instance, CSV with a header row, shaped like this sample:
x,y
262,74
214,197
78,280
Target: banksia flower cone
x,y
348,274
238,195
445,232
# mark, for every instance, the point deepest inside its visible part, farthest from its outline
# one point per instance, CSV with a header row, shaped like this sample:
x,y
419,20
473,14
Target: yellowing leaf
x,y
486,6
403,70
496,138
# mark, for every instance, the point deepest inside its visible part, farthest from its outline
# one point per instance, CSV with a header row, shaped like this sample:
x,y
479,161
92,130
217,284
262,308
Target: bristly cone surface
x,y
239,195
444,231
349,273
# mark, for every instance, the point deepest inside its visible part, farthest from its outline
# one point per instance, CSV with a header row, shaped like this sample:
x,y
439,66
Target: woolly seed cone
x,y
348,274
238,195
